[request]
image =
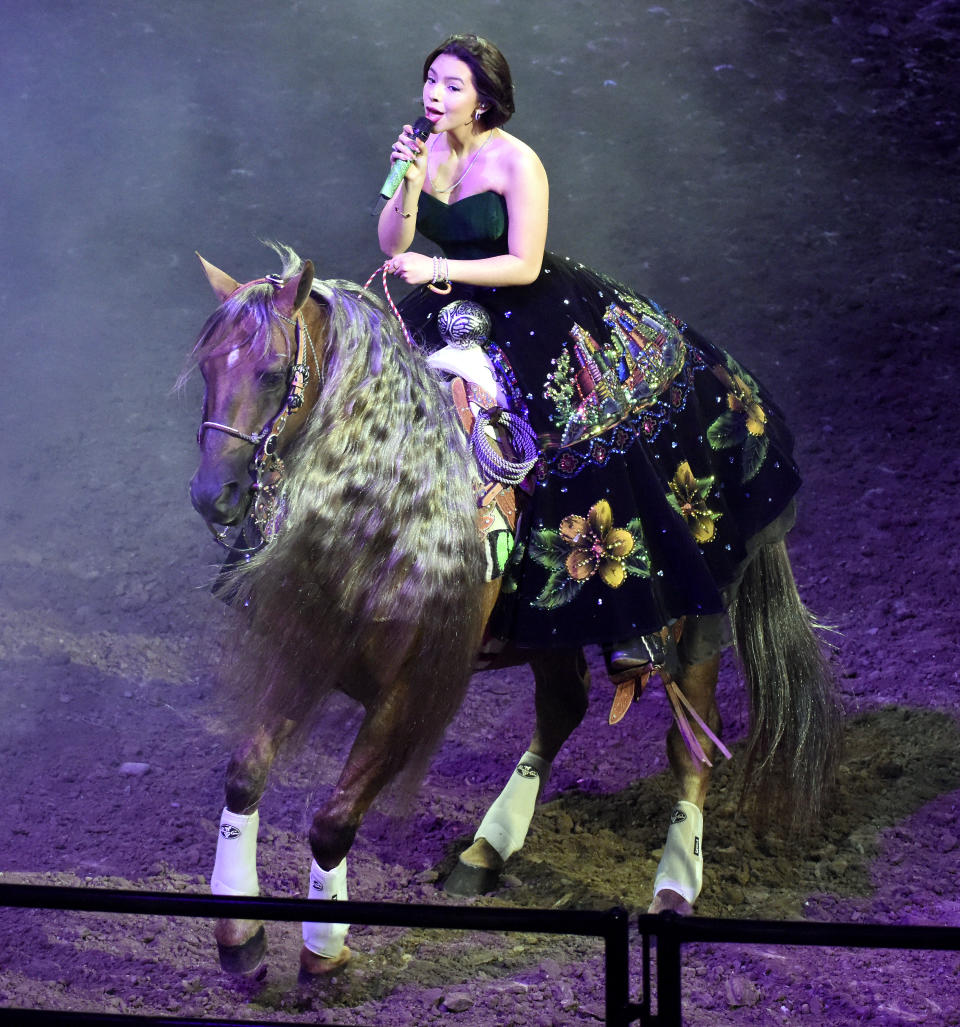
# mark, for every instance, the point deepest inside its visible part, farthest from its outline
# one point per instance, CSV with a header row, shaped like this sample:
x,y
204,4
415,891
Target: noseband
x,y
267,468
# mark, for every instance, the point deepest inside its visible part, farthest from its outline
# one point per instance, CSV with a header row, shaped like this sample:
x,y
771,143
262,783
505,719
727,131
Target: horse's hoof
x,y
670,901
317,966
246,958
466,879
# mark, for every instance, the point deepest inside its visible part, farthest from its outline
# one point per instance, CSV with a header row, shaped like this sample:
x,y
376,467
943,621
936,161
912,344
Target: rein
x,y
386,291
433,287
267,468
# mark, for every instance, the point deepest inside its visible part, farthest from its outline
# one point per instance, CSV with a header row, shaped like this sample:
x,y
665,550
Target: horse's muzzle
x,y
226,506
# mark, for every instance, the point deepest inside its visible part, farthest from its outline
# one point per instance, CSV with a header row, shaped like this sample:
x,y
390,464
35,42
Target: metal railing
x,y
671,932
611,925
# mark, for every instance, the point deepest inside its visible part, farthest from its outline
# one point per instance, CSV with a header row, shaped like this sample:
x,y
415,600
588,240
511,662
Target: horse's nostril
x,y
227,498
217,502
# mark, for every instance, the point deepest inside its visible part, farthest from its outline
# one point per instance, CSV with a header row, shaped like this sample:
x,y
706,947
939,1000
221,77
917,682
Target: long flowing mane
x,y
377,567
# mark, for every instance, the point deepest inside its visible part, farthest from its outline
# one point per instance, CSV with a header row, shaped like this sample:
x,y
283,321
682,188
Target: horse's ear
x,y
293,295
221,283
306,284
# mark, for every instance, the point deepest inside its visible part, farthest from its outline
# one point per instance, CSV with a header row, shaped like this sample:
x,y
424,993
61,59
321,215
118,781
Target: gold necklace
x,y
450,188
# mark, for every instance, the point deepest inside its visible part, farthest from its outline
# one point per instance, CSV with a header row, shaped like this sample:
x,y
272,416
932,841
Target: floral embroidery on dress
x,y
744,422
688,496
585,547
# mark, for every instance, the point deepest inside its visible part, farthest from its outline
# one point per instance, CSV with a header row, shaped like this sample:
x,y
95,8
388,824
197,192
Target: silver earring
x,y
477,113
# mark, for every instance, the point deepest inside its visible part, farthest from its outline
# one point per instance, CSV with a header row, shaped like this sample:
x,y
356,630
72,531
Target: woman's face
x,y
449,95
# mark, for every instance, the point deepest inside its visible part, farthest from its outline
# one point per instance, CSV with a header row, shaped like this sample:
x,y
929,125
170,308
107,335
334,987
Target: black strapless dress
x,y
660,455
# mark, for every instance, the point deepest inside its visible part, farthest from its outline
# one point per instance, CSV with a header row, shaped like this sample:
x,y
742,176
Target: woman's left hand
x,y
412,268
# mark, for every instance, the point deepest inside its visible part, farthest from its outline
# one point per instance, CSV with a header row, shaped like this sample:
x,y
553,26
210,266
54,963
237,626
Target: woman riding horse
x,y
651,473
369,579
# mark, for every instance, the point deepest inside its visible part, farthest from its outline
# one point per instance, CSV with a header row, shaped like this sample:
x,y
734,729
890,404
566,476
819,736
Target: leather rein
x,y
266,467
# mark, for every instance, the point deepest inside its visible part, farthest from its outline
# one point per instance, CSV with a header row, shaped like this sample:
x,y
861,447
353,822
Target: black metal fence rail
x,y
672,932
611,926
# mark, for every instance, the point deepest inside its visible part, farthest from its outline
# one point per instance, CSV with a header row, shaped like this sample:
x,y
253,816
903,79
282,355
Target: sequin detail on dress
x,y
597,384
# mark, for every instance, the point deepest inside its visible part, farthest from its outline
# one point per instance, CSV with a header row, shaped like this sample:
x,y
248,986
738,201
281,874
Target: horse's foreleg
x,y
680,872
562,684
242,944
376,757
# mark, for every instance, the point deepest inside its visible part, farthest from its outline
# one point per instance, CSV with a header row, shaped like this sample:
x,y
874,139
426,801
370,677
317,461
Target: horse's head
x,y
261,377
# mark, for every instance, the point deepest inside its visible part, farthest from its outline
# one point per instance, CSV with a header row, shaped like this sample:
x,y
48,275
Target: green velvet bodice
x,y
469,229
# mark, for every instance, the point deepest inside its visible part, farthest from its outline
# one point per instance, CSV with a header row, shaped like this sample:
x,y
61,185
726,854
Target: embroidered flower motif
x,y
597,547
621,438
688,495
585,547
744,422
741,400
568,463
599,453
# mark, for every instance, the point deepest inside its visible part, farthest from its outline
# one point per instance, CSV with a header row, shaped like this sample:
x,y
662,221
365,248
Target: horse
x,y
332,444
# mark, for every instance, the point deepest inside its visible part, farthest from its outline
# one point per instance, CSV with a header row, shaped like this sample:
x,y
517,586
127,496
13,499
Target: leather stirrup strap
x,y
627,694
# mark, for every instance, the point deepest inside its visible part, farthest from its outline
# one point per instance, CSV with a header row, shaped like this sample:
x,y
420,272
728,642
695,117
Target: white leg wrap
x,y
507,821
326,939
681,866
235,865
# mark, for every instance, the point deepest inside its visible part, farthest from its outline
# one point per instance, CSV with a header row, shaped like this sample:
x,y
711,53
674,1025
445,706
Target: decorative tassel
x,y
678,701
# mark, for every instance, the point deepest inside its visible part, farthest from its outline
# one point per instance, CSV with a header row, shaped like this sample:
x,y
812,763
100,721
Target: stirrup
x,y
631,663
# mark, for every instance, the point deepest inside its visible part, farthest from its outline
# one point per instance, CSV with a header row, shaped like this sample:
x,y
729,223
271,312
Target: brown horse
x,y
360,569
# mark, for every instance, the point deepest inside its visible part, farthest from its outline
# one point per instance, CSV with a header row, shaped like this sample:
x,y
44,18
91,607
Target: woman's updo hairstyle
x,y
491,75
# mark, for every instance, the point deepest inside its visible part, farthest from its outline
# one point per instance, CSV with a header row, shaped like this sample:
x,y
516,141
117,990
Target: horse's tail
x,y
793,749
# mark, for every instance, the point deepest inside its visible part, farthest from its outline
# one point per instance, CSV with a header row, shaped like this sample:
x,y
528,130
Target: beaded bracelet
x,y
441,276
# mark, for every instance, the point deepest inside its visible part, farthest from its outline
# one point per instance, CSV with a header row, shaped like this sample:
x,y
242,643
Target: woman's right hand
x,y
407,147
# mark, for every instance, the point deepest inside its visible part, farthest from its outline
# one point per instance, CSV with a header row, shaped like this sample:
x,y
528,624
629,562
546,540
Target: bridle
x,y
266,467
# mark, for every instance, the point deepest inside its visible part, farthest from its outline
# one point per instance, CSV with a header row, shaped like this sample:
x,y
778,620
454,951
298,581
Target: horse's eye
x,y
273,379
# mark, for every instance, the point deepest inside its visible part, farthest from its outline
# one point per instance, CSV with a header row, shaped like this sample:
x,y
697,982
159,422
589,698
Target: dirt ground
x,y
111,739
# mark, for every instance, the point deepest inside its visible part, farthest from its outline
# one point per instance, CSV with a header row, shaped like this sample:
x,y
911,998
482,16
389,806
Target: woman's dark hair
x,y
491,75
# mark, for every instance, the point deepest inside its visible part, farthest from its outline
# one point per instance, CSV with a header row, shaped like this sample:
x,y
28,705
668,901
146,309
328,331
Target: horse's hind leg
x,y
680,873
242,944
562,684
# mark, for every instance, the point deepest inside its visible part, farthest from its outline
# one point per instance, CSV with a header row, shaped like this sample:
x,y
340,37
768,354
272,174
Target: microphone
x,y
422,128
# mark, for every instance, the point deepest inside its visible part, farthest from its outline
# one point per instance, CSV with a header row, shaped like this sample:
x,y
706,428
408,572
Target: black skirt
x,y
660,457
